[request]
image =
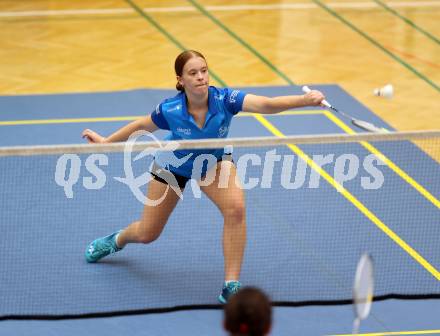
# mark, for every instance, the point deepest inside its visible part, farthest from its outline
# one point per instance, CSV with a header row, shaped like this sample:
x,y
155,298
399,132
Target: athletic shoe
x,y
229,289
102,247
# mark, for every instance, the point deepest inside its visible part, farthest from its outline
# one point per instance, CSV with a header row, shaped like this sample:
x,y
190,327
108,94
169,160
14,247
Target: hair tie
x,y
244,329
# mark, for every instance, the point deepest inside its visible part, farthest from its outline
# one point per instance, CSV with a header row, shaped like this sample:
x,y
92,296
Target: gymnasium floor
x,y
64,71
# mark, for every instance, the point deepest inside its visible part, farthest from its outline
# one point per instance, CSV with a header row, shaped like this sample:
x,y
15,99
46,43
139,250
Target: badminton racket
x,y
363,290
365,125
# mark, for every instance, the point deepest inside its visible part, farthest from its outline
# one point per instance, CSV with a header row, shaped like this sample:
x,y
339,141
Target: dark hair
x,y
180,62
248,312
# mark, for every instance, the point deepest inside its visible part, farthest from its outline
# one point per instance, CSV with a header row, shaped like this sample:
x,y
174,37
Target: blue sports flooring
x,y
303,243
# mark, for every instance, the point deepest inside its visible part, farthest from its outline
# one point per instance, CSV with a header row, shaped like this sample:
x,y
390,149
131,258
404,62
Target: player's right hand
x,y
314,98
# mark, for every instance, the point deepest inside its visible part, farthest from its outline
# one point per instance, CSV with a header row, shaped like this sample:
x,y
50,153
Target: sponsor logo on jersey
x,y
186,131
175,108
233,95
223,130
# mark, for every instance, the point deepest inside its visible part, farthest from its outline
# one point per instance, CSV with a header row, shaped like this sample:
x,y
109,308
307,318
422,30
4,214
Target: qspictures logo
x,y
253,170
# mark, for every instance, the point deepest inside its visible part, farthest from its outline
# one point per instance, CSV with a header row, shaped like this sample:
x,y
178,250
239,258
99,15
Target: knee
x,y
146,237
235,211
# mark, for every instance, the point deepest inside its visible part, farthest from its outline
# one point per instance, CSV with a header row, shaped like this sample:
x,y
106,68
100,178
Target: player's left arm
x,y
268,105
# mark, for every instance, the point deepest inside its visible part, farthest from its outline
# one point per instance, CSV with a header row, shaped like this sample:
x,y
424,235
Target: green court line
x,y
241,41
351,198
408,21
284,76
343,126
377,44
168,35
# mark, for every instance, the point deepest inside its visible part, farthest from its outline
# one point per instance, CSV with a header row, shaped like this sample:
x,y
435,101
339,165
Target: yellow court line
x,y
307,159
329,115
126,118
391,333
408,179
284,113
64,121
351,198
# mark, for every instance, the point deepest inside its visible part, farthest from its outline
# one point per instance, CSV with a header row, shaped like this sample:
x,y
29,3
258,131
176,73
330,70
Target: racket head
x,y
368,126
363,288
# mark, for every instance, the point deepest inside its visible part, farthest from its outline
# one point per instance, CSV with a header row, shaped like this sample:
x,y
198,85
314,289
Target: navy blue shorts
x,y
162,175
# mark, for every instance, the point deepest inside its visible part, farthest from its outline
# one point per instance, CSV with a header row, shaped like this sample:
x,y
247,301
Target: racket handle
x,y
306,89
356,325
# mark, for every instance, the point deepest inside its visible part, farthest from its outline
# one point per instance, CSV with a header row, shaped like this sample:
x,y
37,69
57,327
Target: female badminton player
x,y
197,111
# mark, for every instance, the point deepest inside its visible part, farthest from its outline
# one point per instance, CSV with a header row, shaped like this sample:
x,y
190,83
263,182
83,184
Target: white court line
x,y
340,5
67,12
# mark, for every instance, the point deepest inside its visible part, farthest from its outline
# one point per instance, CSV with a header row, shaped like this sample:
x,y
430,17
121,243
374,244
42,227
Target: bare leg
x,y
230,201
153,219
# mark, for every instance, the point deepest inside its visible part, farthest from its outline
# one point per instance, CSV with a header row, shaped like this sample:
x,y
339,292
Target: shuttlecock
x,y
386,91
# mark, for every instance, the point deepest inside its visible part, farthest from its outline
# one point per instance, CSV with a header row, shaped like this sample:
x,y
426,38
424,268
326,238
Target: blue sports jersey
x,y
172,115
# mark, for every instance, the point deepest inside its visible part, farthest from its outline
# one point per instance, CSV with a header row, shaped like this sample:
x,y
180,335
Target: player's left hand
x,y
92,136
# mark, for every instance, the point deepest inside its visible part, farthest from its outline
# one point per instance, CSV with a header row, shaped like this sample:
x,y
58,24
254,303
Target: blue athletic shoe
x,y
228,290
102,247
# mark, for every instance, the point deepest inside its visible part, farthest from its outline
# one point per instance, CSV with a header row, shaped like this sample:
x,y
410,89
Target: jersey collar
x,y
211,109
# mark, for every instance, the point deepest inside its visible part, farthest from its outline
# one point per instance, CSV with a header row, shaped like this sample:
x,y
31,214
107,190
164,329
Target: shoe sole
x,y
91,261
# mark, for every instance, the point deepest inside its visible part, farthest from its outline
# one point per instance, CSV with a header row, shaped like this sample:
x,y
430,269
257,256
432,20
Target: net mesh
x,y
306,226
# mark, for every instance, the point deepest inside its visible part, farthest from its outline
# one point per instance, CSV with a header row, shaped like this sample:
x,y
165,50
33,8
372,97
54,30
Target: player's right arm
x,y
143,123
